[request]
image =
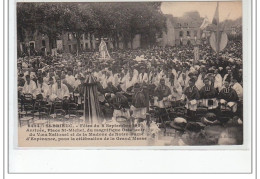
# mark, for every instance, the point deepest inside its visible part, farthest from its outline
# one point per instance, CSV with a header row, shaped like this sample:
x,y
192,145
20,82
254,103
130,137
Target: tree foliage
x,y
119,21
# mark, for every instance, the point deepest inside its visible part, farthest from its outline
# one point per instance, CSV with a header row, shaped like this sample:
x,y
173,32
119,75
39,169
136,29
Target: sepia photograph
x,y
104,74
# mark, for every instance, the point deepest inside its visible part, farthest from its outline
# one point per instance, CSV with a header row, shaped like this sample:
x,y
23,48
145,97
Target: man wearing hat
x,y
191,95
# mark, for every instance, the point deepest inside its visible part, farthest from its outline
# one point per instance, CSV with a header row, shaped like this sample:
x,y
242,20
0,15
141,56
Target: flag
x,y
205,23
216,17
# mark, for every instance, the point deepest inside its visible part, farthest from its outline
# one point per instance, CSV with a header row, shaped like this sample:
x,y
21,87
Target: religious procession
x,y
187,88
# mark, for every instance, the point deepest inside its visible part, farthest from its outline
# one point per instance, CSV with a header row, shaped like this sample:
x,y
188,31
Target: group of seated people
x,y
131,84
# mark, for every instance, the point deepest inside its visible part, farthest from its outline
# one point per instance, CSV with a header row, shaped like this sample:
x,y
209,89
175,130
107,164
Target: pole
x,y
217,40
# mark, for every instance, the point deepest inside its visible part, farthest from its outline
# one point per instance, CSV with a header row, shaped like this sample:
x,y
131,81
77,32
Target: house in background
x,y
33,42
183,30
187,28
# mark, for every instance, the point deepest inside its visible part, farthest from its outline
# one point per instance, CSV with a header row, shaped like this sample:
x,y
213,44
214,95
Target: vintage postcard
x,y
105,74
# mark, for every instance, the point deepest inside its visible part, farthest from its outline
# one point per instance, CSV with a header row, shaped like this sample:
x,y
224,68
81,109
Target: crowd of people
x,y
132,82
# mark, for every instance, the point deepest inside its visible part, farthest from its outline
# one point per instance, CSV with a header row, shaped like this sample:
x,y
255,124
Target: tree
x,y
119,21
78,20
52,20
123,20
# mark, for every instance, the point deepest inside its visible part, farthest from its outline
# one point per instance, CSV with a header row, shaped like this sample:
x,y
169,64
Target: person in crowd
x,y
79,93
184,78
238,88
208,95
191,96
111,88
199,83
240,76
162,92
138,105
228,97
229,75
29,86
42,88
59,90
218,83
119,102
143,76
119,76
70,79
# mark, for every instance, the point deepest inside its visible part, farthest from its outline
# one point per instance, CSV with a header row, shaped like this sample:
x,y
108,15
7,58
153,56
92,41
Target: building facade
x,y
33,42
187,29
180,31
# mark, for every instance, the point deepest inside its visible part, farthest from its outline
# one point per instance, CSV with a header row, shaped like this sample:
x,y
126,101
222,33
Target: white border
x,y
241,160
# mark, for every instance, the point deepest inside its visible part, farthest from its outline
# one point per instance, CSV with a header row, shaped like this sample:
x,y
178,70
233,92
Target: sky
x,y
227,10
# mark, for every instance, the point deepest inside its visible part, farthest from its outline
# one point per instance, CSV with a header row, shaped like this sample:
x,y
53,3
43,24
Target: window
x,y
188,33
32,45
70,36
181,34
69,48
75,47
86,46
81,46
43,43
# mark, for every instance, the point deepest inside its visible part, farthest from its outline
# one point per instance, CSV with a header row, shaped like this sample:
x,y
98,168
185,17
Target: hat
x,y
209,119
228,68
179,123
231,60
194,126
193,102
137,85
207,78
192,80
235,121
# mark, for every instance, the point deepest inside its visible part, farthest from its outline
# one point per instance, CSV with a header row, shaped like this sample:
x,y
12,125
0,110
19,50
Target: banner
x,y
222,42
